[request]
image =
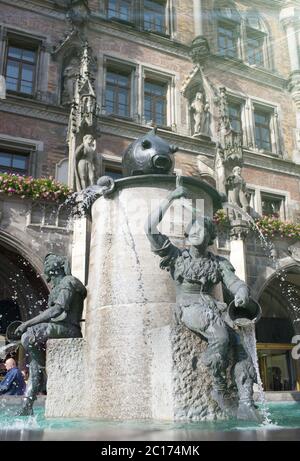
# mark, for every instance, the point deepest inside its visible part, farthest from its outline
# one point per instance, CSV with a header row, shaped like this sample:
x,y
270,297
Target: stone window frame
x,y
21,63
117,18
259,35
110,161
234,27
132,69
12,169
139,72
243,30
280,198
8,35
164,3
237,101
138,22
273,110
170,81
240,99
119,88
252,193
34,149
248,106
43,206
259,191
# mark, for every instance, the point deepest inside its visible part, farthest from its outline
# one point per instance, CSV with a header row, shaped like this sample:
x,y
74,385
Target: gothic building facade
x,y
188,67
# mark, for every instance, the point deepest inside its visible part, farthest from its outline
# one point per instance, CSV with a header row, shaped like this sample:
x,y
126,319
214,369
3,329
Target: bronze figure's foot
x,y
26,409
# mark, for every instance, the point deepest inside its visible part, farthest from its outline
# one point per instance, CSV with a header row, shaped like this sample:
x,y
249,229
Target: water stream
x,y
287,289
248,338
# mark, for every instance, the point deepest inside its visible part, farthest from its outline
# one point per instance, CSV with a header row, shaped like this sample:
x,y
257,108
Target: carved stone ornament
x,y
230,140
239,229
78,13
201,114
199,50
294,251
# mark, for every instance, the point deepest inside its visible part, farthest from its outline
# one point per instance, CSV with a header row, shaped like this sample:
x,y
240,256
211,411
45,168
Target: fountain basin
x,y
286,415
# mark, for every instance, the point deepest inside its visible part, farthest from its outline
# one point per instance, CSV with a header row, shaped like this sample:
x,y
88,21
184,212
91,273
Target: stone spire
x,y
84,112
229,141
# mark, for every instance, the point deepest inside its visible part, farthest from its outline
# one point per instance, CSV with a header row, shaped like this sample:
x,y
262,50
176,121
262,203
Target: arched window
x,y
228,31
242,36
256,40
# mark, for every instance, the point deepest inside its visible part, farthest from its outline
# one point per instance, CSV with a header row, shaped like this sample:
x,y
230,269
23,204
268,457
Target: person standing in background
x,y
13,383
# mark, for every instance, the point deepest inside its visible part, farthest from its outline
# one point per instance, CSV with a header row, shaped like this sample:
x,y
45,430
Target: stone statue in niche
x,y
220,171
60,320
195,272
85,163
201,114
237,192
88,105
229,140
69,77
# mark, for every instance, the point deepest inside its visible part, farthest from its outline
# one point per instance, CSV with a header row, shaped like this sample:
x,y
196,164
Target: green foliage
x,y
35,189
270,226
221,218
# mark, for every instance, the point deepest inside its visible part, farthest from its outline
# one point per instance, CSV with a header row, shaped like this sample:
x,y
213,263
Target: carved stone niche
x,y
70,71
199,107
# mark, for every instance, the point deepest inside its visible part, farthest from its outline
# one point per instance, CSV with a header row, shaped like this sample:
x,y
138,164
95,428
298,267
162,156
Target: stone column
x,y
2,55
198,17
80,254
199,47
292,46
289,17
238,234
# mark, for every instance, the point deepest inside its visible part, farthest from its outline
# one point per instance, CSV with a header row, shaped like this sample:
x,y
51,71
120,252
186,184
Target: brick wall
x,y
274,180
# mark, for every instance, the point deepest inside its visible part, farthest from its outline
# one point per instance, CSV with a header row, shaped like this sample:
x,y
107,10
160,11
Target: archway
x,y
280,302
23,293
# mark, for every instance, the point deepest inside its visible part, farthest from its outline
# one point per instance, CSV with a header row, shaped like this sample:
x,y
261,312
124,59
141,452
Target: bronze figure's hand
x,y
241,298
178,193
21,329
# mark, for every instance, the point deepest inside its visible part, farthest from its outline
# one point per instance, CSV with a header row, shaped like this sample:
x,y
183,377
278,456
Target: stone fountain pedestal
x,y
138,362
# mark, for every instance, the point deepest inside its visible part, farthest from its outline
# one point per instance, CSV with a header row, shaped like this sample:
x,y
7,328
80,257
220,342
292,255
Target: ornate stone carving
x,y
294,251
199,50
230,141
239,229
83,126
69,78
85,163
237,192
2,87
78,13
229,152
294,87
201,113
